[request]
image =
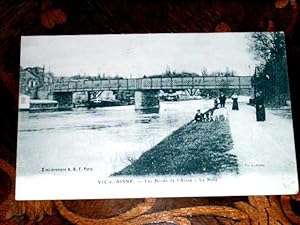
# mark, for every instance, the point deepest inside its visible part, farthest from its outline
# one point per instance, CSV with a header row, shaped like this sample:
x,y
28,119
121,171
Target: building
x,y
33,81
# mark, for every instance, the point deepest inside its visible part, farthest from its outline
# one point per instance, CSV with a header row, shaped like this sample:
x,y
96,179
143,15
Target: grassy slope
x,y
194,148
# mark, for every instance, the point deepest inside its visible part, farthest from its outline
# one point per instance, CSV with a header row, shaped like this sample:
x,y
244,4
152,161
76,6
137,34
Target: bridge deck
x,y
165,83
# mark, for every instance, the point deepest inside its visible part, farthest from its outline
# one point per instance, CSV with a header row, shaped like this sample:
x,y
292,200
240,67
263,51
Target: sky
x,y
136,55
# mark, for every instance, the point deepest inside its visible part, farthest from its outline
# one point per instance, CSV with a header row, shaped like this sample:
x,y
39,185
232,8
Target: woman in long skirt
x,y
235,105
260,108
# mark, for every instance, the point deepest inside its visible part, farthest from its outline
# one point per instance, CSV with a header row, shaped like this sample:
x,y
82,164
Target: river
x,y
104,139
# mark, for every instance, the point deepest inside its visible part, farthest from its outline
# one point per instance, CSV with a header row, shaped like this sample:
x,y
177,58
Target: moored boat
x,y
43,105
104,103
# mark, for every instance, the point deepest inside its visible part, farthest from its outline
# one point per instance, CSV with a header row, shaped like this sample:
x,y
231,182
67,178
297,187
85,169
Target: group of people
x,y
259,105
222,100
204,117
207,116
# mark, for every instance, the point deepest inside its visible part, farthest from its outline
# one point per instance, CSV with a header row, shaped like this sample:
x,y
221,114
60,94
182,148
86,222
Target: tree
x,y
229,73
204,72
271,75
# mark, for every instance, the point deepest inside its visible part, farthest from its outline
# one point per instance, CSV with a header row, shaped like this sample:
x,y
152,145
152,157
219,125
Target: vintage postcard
x,y
154,115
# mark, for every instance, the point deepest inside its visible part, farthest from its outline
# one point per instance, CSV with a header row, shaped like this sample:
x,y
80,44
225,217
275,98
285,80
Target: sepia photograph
x,y
154,115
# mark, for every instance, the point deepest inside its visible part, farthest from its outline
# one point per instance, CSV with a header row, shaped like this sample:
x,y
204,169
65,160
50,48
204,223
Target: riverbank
x,y
264,148
195,148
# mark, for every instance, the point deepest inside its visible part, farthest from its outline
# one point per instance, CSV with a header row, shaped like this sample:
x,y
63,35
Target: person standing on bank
x,y
235,105
222,99
260,108
216,103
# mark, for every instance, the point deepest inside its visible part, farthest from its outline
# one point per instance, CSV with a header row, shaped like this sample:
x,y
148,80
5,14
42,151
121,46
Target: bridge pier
x,y
146,101
64,99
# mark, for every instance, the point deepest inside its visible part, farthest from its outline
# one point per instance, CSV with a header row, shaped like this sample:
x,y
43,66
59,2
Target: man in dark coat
x,y
260,108
222,99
